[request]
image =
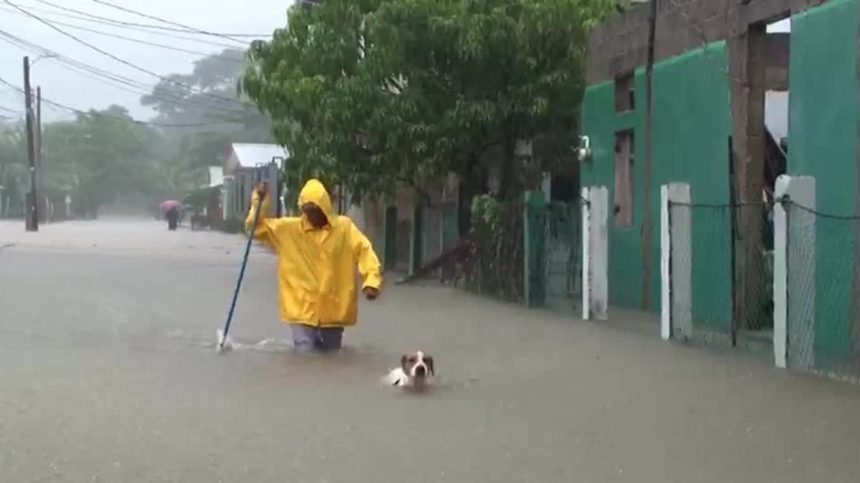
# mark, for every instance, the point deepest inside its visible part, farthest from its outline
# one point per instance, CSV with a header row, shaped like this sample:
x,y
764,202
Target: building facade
x,y
725,95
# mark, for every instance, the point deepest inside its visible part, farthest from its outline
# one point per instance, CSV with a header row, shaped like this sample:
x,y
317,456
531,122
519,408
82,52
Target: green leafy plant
x,y
372,94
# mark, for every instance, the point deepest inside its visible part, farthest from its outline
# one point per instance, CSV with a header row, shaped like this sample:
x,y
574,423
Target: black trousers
x,y
172,220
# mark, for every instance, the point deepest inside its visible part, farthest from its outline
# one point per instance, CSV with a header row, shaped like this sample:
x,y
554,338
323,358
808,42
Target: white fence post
x,y
793,306
586,253
600,252
595,253
675,262
665,259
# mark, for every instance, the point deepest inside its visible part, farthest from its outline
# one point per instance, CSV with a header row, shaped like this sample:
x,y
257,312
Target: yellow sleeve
x,y
366,259
265,226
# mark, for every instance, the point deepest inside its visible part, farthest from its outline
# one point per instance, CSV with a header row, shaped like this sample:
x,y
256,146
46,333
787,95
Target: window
x,y
623,194
625,93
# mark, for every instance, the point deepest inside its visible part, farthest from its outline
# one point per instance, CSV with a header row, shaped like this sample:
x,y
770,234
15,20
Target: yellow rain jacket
x,y
316,267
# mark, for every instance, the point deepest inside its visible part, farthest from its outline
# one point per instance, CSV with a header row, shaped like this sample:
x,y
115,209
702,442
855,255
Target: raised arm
x,y
266,226
365,258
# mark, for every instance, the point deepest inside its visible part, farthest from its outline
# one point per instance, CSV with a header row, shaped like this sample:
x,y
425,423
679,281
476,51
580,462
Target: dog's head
x,y
418,365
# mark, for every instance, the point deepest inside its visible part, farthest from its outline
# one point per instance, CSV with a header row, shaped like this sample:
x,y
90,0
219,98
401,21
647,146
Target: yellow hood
x,y
314,192
316,268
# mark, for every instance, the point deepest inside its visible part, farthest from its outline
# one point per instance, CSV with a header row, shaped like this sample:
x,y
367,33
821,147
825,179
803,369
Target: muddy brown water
x,y
108,372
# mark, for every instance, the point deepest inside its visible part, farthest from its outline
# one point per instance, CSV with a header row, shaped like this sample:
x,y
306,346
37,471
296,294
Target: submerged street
x,y
108,372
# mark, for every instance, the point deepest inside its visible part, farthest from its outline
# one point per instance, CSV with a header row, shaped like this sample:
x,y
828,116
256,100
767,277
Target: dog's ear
x,y
403,362
430,367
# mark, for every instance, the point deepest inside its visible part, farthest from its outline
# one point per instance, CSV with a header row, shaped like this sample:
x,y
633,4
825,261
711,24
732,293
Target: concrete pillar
x,y
675,263
595,253
794,273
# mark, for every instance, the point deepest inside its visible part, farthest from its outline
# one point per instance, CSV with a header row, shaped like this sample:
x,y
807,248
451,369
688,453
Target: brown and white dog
x,y
416,371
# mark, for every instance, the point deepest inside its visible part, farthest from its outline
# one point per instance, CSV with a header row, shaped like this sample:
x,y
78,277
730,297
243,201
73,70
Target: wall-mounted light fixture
x,y
583,152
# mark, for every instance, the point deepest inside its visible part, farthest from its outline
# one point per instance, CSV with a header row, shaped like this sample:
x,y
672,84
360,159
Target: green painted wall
x,y
692,124
823,144
600,123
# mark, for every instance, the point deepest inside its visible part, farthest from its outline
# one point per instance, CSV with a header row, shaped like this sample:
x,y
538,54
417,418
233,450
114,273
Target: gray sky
x,y
82,92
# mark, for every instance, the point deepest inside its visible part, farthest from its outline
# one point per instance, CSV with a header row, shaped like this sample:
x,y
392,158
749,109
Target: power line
x,y
118,81
110,116
136,40
125,26
116,58
182,28
12,111
151,44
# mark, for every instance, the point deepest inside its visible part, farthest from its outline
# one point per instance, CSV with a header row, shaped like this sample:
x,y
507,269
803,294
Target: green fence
x,y
563,249
527,252
494,265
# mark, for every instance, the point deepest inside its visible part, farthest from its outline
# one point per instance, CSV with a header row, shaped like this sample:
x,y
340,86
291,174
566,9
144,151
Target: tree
x,y
14,174
99,155
374,93
306,79
208,95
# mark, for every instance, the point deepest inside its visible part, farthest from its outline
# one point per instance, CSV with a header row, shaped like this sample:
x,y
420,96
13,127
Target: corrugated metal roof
x,y
251,155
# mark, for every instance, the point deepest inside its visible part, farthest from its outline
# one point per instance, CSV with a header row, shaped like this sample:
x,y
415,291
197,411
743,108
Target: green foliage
x,y
495,266
13,169
485,213
101,155
98,156
373,93
209,96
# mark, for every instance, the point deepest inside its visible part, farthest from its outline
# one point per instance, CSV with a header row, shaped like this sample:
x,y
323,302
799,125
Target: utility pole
x,y
42,203
648,222
31,222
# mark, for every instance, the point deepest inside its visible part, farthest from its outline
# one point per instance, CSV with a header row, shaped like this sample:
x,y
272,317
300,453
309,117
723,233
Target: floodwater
x,y
108,372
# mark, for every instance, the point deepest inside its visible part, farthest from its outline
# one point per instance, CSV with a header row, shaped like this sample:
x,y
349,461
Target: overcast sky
x,y
81,92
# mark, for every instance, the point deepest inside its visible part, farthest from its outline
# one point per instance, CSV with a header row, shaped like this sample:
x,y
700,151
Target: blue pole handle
x,y
241,273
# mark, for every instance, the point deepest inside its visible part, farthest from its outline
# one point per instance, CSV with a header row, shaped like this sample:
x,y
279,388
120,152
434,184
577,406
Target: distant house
x,y
245,165
215,177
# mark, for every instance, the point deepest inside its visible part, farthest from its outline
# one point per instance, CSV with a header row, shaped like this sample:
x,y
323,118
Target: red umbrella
x,y
168,205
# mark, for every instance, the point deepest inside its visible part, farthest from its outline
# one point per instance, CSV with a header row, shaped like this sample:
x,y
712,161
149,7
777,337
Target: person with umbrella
x,y
170,208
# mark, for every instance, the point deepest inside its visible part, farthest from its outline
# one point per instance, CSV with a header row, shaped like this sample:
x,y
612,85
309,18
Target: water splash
x,y
223,342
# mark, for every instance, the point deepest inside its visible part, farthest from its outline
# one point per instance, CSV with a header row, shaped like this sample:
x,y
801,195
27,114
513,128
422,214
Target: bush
x,y
232,225
495,265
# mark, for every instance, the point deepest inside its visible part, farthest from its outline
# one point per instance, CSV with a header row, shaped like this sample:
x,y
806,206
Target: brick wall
x,y
621,43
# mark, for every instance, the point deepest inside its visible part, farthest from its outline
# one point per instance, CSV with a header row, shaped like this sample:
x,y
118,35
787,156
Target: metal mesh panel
x,y
823,325
721,271
753,270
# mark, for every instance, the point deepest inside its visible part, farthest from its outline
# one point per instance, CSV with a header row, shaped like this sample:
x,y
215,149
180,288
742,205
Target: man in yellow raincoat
x,y
318,253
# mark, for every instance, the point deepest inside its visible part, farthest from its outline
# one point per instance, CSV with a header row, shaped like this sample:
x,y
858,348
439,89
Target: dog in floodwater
x,y
416,371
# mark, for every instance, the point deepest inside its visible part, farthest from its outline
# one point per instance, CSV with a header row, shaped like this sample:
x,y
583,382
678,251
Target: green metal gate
x,y
562,258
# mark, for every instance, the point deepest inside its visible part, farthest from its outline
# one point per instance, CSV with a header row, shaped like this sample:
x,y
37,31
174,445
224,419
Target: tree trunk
x,y
507,169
